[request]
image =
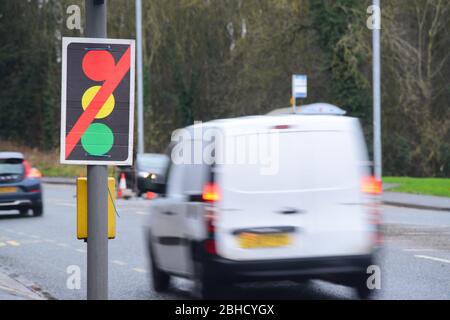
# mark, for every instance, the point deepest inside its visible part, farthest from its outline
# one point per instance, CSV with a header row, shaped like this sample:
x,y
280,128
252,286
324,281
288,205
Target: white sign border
x,y
65,42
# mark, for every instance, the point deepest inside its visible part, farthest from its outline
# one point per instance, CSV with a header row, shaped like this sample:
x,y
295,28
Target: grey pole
x,y
140,92
377,160
97,184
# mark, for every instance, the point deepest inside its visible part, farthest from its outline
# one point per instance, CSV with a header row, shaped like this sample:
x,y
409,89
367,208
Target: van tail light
x,y
371,185
210,242
210,246
210,195
210,227
211,192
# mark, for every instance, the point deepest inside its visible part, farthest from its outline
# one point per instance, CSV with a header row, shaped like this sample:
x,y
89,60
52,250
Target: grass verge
x,y
428,186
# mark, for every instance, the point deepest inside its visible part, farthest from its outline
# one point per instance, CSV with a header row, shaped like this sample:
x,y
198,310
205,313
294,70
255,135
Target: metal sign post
x,y
299,88
377,161
97,117
140,89
97,251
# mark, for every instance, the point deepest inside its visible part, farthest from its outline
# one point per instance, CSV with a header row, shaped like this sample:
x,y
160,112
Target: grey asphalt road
x,y
415,261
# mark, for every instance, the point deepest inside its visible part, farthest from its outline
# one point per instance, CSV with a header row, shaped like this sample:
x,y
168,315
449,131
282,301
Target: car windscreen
x,y
11,166
152,162
295,161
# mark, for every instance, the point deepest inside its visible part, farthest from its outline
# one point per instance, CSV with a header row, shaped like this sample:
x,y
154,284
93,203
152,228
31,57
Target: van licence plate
x,y
249,240
8,189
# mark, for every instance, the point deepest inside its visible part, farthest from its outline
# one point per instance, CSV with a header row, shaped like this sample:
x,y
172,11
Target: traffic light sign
x,y
97,101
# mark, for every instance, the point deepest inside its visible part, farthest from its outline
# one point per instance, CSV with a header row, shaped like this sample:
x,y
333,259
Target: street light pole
x,y
140,93
97,184
377,160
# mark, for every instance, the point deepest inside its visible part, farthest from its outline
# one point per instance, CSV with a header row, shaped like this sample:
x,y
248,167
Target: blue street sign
x,y
299,86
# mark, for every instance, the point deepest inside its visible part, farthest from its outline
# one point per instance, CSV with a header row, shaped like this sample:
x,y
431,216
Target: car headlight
x,y
143,174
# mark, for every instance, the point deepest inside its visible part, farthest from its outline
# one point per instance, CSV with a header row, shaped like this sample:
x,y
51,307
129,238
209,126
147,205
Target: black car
x,y
20,184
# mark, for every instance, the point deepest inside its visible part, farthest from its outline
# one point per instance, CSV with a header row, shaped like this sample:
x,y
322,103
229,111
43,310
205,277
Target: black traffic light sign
x,y
97,103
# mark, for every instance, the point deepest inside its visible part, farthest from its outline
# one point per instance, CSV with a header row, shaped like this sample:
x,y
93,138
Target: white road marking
x,y
13,243
418,250
140,270
141,213
31,241
63,244
81,250
67,204
415,233
50,240
34,236
118,262
2,244
432,258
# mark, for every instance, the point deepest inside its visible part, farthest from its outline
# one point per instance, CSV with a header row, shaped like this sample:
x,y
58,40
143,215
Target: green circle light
x,y
98,139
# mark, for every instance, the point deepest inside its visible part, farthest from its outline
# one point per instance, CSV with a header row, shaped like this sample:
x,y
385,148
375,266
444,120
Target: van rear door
x,y
303,201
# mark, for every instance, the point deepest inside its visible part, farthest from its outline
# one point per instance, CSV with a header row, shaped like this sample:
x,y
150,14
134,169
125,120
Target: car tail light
x,y
371,185
27,167
34,173
31,172
211,193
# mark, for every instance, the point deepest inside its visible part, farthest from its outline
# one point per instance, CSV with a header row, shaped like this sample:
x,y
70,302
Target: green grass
x,y
59,170
429,186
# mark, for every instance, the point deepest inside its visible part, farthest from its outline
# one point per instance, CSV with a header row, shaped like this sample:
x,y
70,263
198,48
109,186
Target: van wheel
x,y
23,212
205,285
160,279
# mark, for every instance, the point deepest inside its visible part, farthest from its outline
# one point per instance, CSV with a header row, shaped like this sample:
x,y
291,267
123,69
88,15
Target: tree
x,y
417,95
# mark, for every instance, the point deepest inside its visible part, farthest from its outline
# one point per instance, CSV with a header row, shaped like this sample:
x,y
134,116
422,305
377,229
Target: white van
x,y
285,196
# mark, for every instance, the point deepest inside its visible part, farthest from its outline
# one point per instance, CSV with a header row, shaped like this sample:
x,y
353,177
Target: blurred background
x,y
209,59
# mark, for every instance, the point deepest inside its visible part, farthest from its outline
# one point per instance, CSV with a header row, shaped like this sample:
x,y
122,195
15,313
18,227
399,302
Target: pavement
x,y
12,288
59,180
416,201
414,262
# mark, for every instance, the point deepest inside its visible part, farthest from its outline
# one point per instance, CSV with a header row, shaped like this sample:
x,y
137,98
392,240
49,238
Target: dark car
x,y
20,184
149,166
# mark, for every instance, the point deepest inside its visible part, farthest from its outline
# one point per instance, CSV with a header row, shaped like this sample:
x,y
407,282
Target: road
x,y
415,261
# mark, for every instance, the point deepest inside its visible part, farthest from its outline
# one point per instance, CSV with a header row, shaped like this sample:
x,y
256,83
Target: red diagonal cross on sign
x,y
108,87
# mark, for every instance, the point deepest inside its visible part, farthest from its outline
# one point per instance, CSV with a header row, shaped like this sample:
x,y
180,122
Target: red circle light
x,y
98,65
